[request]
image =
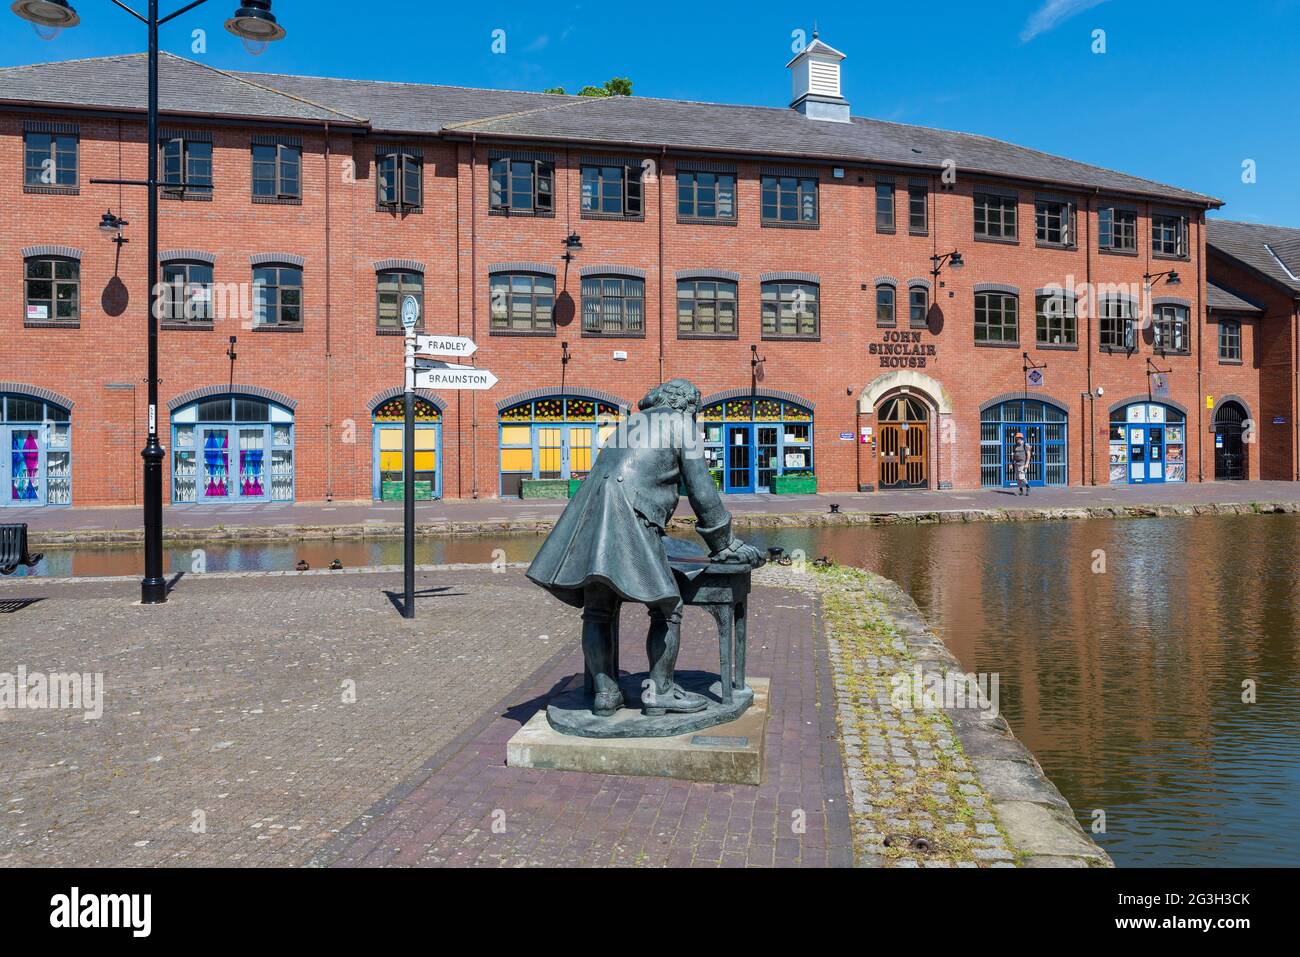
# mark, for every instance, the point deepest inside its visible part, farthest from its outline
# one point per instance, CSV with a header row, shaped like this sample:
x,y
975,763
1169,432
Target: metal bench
x,y
13,549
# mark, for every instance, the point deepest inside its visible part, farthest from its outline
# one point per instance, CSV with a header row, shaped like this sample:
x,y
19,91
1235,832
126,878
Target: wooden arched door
x,y
903,423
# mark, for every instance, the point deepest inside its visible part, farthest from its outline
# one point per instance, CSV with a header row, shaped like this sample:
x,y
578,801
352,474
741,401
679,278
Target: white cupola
x,y
815,73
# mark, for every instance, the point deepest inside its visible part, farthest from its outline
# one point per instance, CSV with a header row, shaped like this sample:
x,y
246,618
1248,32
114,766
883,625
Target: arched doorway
x,y
903,425
232,449
37,465
387,453
1043,425
749,440
1148,444
1229,443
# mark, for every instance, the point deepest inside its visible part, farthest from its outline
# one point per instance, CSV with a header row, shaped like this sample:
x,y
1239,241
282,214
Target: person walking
x,y
1021,455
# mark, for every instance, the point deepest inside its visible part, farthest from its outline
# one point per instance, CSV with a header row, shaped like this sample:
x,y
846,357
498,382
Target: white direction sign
x,y
446,376
461,347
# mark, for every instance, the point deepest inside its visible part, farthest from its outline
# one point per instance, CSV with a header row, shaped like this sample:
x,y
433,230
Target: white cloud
x,y
1052,13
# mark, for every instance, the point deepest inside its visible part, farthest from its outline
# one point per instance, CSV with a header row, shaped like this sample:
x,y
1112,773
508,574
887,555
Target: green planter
x,y
544,488
573,487
794,484
393,492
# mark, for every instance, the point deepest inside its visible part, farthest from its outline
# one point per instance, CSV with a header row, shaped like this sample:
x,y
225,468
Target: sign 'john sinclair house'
x,y
868,304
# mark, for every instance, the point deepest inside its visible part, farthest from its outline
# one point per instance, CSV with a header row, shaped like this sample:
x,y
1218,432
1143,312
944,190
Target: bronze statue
x,y
608,545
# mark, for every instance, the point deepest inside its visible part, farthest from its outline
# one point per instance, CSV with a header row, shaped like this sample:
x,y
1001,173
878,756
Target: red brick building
x,y
794,263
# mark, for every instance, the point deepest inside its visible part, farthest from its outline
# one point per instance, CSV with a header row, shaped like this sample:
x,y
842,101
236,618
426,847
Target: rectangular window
x,y
611,190
1117,229
187,292
277,296
522,303
522,186
790,309
918,209
1169,325
53,290
1054,223
393,286
918,307
50,160
613,306
703,195
187,167
790,200
1056,322
995,216
884,207
1117,327
1169,236
1229,340
399,179
996,317
885,305
277,171
706,307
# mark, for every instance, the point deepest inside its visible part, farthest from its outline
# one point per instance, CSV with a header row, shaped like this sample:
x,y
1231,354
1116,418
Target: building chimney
x,y
816,75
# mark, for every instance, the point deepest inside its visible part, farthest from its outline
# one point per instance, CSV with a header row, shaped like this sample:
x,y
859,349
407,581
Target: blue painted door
x,y
1146,454
739,453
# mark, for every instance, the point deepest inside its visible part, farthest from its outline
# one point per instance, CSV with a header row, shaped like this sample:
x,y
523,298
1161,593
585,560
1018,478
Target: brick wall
x,y
338,362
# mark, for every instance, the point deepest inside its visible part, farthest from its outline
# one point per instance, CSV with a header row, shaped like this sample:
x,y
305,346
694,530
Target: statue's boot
x,y
598,650
676,699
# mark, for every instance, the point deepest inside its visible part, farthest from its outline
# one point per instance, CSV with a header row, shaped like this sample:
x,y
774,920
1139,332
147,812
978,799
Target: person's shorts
x,y
1022,474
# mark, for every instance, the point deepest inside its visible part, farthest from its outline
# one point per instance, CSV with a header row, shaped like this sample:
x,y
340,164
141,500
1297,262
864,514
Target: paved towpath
x,y
385,517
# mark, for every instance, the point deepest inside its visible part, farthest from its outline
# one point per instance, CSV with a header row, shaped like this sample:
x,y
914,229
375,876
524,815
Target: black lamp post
x,y
254,23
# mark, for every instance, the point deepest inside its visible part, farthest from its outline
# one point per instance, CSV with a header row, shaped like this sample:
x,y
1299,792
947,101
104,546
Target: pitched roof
x,y
1222,299
1273,251
196,89
184,87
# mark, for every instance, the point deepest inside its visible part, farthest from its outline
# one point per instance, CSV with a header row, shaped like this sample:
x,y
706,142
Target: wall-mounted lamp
x,y
952,259
1170,276
572,243
111,226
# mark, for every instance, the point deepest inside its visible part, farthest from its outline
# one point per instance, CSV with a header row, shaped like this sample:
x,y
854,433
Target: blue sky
x,y
1185,93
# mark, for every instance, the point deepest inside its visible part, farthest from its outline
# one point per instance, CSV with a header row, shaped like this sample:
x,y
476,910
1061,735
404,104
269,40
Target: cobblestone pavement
x,y
374,518
915,800
474,811
229,701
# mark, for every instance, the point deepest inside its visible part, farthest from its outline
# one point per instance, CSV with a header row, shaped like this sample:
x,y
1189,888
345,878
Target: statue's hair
x,y
677,394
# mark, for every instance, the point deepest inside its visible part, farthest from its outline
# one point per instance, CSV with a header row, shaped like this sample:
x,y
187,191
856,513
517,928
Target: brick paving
x,y
227,700
472,810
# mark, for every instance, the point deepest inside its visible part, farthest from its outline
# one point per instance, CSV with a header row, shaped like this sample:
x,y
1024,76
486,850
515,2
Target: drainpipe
x,y
473,303
663,155
1295,405
1200,384
329,416
1090,432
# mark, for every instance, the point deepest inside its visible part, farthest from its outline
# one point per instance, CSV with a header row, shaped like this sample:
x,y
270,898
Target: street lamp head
x,y
47,17
956,262
255,24
1174,279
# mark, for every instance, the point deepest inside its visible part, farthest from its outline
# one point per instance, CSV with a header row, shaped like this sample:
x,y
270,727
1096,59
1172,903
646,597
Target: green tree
x,y
617,86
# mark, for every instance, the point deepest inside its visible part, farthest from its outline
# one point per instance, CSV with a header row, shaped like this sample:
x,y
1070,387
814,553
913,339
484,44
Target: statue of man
x,y
607,546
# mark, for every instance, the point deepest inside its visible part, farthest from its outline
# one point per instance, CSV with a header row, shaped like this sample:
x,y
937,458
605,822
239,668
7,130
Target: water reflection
x,y
1122,648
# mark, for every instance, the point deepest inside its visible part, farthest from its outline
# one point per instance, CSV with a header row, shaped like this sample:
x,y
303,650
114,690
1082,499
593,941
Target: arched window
x,y
552,438
1045,428
394,285
790,309
885,305
277,296
748,442
706,307
187,292
232,448
521,303
1148,444
389,466
1169,328
37,465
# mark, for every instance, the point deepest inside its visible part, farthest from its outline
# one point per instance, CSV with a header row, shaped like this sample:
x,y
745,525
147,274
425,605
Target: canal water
x,y
1124,650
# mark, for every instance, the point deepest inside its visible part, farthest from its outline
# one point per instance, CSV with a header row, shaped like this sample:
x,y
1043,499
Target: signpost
x,y
424,373
410,316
